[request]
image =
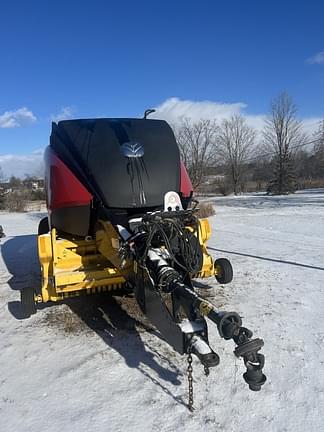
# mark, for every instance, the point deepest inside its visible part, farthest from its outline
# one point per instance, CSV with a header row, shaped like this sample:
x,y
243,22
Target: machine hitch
x,y
189,336
229,326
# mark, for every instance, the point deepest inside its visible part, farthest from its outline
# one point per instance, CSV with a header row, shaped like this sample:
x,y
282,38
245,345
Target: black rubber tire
x,y
43,226
27,300
225,271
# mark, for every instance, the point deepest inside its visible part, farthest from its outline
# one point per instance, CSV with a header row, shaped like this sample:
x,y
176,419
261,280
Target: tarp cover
x,y
125,163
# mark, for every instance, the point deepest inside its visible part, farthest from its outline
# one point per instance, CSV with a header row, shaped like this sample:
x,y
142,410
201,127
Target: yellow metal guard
x,y
207,269
72,266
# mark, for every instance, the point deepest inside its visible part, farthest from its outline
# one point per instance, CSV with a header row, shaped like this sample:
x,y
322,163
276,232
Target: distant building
x,y
35,184
5,188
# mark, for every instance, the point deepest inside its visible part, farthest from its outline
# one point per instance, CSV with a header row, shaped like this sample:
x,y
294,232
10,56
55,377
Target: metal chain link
x,y
206,370
190,381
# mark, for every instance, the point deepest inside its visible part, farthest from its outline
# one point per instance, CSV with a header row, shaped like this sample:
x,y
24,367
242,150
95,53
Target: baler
x,y
121,215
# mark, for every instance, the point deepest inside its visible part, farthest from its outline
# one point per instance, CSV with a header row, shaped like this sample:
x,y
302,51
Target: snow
x,y
108,374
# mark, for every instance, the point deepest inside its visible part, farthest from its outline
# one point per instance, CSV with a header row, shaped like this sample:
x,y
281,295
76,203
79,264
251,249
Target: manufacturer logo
x,y
132,149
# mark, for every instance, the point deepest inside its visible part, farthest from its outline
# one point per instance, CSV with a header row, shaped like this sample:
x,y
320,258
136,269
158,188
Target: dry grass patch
x,y
62,318
97,313
16,202
206,210
134,318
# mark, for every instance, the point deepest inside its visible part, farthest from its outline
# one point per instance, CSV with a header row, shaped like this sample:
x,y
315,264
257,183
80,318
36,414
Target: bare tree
x,y
1,195
319,146
235,140
196,142
282,133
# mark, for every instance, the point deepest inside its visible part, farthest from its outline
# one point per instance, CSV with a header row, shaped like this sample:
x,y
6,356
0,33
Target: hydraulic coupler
x,y
229,326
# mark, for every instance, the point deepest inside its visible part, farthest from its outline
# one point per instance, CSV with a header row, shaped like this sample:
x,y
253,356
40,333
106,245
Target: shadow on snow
x,y
105,314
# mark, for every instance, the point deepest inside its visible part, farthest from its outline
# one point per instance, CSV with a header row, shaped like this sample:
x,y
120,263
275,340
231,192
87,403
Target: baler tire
x,y
27,300
43,226
224,271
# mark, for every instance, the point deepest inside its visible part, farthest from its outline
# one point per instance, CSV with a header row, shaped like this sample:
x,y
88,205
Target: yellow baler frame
x,y
72,267
204,232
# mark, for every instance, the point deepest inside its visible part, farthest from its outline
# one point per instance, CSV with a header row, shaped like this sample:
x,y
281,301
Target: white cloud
x,y
173,110
311,124
20,117
318,58
65,114
20,165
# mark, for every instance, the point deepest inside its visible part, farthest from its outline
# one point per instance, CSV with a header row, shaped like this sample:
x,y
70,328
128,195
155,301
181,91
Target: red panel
x,y
185,182
63,189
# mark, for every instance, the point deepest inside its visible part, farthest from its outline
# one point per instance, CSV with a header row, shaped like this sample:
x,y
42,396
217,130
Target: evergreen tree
x,y
282,133
284,179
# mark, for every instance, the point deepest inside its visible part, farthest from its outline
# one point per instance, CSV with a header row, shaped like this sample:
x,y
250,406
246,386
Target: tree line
x,y
280,159
231,156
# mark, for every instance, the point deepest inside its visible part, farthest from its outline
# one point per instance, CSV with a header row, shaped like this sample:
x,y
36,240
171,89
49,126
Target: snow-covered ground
x,y
88,366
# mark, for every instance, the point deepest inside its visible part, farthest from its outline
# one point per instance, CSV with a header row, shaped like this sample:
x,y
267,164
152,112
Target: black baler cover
x,y
97,153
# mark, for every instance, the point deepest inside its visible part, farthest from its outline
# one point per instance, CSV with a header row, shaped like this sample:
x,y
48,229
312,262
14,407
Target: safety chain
x,y
206,370
190,381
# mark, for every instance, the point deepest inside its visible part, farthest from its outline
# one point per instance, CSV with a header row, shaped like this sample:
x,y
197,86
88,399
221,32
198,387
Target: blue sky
x,y
107,58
